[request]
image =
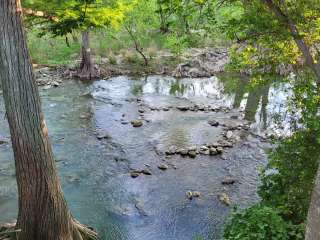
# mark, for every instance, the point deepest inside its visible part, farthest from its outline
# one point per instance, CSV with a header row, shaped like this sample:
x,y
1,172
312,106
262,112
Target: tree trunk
x,y
43,212
313,220
87,70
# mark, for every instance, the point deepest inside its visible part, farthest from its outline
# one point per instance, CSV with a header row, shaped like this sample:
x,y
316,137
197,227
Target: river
x,y
96,148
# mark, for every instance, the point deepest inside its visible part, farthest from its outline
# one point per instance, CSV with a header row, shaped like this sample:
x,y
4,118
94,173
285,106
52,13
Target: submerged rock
x,y
101,136
136,123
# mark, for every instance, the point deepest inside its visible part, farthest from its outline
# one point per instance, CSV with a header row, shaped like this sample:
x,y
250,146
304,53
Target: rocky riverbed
x,y
153,157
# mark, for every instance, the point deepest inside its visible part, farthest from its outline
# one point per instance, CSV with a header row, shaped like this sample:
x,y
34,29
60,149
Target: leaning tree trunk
x,y
43,212
87,69
313,220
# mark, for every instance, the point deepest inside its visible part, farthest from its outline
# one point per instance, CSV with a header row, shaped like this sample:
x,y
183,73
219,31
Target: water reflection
x,y
260,104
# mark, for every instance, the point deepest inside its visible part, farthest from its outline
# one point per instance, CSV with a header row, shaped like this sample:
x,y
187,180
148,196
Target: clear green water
x,y
95,173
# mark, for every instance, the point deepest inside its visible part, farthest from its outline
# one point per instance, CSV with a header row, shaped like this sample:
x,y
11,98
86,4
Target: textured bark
x,y
87,69
313,220
43,212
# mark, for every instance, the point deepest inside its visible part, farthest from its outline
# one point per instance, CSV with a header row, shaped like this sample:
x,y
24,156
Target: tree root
x,y
88,73
9,232
82,232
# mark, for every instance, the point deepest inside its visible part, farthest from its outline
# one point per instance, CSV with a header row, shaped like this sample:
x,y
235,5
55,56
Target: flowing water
x,y
95,151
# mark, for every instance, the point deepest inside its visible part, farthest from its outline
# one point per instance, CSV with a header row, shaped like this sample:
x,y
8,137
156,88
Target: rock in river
x,y
204,150
189,194
229,134
213,123
194,194
163,167
172,150
224,198
192,154
136,123
228,181
134,174
103,135
183,152
213,151
183,108
146,172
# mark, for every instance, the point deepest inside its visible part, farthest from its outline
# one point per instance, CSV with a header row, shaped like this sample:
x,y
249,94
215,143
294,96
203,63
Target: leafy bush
x,y
260,223
51,51
287,181
176,44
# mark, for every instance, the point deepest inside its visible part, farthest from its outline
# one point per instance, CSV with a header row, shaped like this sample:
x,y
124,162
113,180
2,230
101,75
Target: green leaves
x,y
81,14
260,223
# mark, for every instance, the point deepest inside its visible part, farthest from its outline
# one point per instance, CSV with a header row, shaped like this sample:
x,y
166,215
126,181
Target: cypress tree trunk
x,y
43,212
87,69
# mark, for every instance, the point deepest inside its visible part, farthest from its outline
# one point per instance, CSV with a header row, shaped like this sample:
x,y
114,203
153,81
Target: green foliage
x,y
260,223
287,181
176,44
51,51
72,15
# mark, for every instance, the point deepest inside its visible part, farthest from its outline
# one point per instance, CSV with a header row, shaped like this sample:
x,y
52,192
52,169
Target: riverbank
x,y
193,63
